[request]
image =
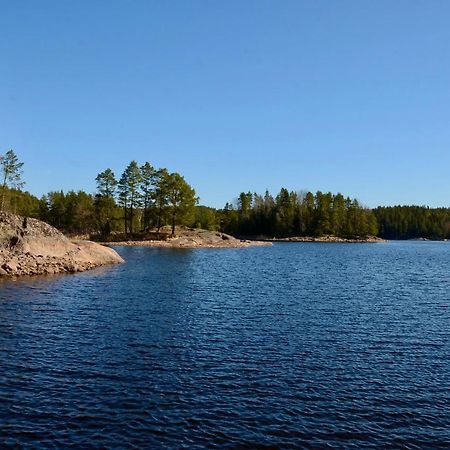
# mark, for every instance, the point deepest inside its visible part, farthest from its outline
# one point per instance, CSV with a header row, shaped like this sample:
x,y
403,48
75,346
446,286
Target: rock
x,y
11,266
185,238
42,249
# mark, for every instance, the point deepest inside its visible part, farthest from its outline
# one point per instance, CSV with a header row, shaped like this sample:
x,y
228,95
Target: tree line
x,y
142,198
292,213
412,222
145,198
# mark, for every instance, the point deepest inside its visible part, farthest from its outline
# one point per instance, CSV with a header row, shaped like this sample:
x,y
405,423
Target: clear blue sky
x,y
350,96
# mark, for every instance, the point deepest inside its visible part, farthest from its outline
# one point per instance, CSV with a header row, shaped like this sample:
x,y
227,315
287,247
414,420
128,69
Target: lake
x,y
290,346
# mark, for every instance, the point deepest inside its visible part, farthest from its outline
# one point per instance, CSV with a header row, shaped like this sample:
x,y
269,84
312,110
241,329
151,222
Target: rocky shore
x,y
191,238
31,247
331,239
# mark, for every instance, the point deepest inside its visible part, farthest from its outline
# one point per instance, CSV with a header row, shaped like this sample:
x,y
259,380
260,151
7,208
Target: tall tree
x,y
104,203
106,183
57,209
129,193
181,200
160,195
148,178
244,204
338,215
323,213
285,212
124,199
11,174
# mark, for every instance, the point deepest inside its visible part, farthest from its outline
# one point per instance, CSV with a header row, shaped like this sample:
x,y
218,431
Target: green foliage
x,y
21,202
160,196
130,194
228,219
412,222
11,175
206,218
297,214
104,202
146,197
148,181
72,212
181,200
106,184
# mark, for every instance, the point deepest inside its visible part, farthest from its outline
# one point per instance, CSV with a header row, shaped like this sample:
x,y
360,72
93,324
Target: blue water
x,y
290,346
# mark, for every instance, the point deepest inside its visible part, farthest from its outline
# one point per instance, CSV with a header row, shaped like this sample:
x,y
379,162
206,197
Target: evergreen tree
x,y
56,204
412,222
285,212
148,179
181,200
323,214
106,183
299,214
11,170
245,201
160,195
338,215
309,211
206,218
104,203
129,193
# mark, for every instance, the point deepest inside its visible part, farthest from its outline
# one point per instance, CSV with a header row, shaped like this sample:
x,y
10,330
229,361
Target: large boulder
x,y
31,247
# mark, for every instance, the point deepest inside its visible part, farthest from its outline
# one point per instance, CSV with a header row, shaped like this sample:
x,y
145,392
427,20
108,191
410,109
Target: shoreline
x,y
326,240
192,242
184,238
31,247
186,245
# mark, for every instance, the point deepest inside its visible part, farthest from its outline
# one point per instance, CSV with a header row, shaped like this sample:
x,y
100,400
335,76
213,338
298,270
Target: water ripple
x,y
295,346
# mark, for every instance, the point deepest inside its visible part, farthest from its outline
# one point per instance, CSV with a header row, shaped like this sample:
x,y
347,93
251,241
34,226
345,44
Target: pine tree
x,y
148,179
181,200
160,195
106,183
104,204
129,193
11,174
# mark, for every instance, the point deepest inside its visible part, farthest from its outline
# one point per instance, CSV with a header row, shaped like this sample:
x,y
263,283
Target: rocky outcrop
x,y
189,238
31,247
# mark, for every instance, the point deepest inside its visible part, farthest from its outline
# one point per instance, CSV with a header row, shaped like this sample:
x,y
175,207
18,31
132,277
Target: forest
x,y
146,198
142,198
413,222
298,214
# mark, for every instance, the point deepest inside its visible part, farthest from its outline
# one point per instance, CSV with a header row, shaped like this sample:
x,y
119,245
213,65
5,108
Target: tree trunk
x,y
131,219
159,217
173,223
2,203
125,219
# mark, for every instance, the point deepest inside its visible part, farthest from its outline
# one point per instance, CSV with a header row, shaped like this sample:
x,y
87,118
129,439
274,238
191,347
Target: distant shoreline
x,y
324,239
196,238
187,245
185,238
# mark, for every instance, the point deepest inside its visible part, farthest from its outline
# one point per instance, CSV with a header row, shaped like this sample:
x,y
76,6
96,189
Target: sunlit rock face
x,y
31,247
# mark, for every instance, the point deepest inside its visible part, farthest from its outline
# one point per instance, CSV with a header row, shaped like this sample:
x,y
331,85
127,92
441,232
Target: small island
x,y
183,238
